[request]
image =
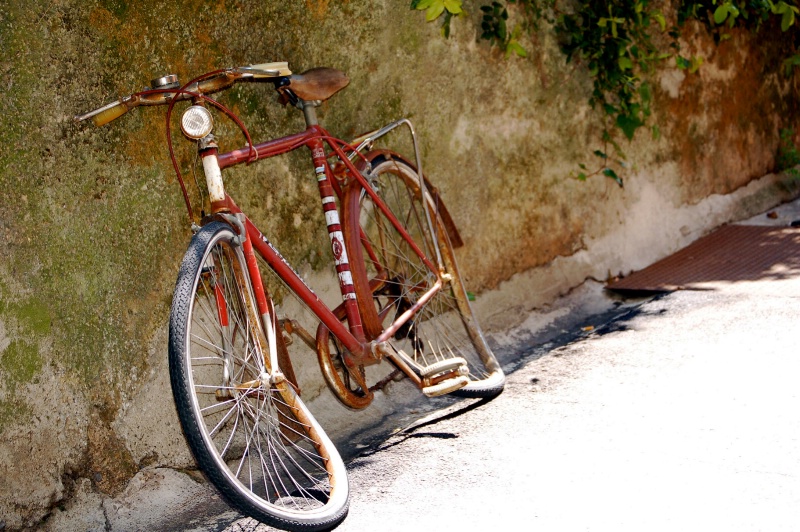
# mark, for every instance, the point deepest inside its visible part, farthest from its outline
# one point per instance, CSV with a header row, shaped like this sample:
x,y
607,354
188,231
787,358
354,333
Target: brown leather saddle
x,y
317,84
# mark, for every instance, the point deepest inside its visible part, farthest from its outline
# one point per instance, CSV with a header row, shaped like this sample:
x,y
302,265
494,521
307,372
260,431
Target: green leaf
x,y
791,63
471,296
608,172
582,176
656,132
600,154
629,124
660,19
516,48
625,63
422,4
721,13
445,29
787,19
609,109
436,9
453,6
696,63
646,93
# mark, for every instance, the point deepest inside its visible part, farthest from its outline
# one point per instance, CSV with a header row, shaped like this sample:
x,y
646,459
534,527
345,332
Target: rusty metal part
x,y
295,422
285,362
400,360
441,210
395,376
408,314
294,328
346,379
730,254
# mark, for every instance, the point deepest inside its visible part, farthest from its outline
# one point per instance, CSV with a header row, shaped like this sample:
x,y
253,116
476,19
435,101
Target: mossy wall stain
x,y
19,362
94,225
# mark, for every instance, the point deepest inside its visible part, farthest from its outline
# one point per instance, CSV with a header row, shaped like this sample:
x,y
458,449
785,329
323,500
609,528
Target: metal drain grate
x,y
731,253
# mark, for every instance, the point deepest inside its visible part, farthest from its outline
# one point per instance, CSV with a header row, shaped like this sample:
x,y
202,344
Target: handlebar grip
x,y
268,70
104,117
216,83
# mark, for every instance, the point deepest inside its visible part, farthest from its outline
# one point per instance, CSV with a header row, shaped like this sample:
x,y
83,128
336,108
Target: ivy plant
x,y
494,29
615,40
437,8
788,156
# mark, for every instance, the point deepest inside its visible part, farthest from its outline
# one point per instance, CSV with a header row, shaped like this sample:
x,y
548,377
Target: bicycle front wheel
x,y
250,434
396,277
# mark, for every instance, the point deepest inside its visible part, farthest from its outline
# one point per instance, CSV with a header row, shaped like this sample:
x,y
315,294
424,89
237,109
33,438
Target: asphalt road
x,y
683,414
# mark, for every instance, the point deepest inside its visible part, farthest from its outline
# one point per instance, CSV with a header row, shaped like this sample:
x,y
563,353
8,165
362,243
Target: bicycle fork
x,y
263,307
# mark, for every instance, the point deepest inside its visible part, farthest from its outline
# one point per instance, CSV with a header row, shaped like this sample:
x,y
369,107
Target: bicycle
x,y
402,299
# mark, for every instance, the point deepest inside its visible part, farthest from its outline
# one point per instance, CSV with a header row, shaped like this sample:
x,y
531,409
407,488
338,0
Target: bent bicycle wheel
x,y
396,277
254,439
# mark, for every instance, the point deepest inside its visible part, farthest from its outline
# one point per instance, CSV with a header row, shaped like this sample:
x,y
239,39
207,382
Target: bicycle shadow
x,y
388,441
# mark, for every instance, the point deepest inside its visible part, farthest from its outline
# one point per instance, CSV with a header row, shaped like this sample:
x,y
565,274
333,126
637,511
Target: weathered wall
x,y
94,226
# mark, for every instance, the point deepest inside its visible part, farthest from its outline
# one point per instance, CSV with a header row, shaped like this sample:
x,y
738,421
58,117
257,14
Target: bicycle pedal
x,y
446,386
441,366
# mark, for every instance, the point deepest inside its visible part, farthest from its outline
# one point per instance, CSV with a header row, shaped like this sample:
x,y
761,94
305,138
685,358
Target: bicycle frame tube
x,y
315,134
280,265
315,137
384,209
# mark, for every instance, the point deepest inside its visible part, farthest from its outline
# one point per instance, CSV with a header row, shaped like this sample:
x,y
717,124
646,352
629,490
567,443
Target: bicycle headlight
x,y
196,122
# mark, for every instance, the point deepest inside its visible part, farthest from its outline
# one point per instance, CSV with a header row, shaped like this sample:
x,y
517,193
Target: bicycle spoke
x,y
443,328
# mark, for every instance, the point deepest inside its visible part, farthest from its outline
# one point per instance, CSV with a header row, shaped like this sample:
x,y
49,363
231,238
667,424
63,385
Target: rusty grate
x,y
731,253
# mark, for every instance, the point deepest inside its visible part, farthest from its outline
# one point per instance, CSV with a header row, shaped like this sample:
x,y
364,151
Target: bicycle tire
x,y
255,440
387,270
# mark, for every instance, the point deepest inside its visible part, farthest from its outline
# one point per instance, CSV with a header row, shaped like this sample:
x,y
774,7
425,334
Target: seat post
x,y
310,112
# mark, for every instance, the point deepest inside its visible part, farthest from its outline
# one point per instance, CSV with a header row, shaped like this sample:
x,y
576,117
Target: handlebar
x,y
162,96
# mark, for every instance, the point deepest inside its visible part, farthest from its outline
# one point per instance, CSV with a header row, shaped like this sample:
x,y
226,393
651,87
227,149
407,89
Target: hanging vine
x,y
615,40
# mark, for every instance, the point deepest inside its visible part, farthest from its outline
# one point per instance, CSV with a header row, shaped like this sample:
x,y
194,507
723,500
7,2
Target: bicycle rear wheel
x,y
254,439
394,276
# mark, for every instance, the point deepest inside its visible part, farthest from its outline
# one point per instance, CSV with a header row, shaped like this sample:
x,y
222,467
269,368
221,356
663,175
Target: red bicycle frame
x,y
315,137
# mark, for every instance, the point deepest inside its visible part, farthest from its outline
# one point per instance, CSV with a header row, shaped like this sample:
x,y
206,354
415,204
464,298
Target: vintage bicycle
x,y
402,300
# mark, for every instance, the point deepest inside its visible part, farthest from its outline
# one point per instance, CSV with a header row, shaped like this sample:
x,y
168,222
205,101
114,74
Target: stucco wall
x,y
93,224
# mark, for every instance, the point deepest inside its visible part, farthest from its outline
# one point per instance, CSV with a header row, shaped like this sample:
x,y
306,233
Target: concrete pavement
x,y
679,412
682,415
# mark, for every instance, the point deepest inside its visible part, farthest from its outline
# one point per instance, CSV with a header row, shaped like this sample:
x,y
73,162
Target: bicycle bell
x,y
170,81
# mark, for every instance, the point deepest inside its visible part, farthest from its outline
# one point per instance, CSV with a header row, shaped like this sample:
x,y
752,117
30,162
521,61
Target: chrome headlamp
x,y
196,122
